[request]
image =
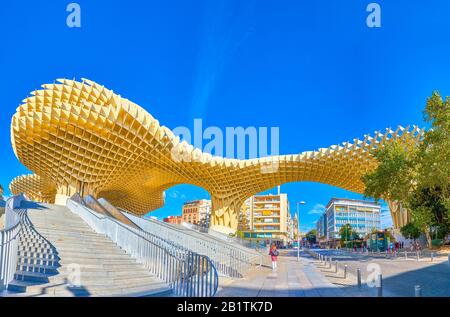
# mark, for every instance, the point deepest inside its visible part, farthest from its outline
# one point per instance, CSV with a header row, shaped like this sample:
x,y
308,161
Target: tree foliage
x,y
392,179
346,232
410,231
311,236
418,177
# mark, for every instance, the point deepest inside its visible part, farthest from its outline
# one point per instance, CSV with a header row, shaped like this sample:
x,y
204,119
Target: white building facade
x,y
363,216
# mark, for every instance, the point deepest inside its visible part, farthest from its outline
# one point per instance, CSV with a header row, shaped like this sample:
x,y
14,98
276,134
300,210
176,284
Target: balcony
x,y
266,208
267,222
267,202
265,216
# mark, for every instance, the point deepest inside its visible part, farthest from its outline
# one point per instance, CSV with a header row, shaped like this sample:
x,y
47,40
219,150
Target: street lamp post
x,y
298,230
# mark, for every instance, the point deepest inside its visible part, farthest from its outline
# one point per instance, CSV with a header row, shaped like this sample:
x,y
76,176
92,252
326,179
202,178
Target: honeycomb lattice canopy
x,y
82,137
35,187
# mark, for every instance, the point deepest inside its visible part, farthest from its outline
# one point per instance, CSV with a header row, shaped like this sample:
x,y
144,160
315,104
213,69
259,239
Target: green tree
x,y
410,231
355,236
418,177
311,236
346,233
433,157
393,178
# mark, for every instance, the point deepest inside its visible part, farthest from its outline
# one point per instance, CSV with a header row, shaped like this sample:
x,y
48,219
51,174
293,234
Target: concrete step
x,y
33,281
37,254
48,234
40,268
32,276
62,228
55,229
77,238
59,239
87,278
36,249
106,262
35,244
21,286
105,279
45,290
84,245
89,258
118,272
28,233
38,260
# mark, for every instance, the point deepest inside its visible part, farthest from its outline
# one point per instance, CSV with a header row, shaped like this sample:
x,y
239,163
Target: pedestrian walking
x,y
274,255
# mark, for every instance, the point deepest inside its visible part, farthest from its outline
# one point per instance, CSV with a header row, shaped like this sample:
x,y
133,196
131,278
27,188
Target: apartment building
x,y
267,217
363,216
197,212
321,227
176,220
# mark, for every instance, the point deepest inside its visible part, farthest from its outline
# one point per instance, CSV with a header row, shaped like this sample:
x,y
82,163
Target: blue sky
x,y
312,68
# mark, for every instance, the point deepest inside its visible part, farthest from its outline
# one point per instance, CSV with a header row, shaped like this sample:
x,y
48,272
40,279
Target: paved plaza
x,y
310,278
400,274
291,279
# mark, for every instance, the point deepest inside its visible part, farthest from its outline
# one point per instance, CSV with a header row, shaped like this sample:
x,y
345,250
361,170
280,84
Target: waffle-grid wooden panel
x,y
35,187
82,137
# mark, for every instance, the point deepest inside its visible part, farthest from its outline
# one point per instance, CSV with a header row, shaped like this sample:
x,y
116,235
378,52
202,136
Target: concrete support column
x,y
225,212
400,215
64,192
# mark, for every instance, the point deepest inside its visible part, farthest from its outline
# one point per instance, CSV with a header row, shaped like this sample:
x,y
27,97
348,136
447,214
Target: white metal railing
x,y
187,273
9,241
230,259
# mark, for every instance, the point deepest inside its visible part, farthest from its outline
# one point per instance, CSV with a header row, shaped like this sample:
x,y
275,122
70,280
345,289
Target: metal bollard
x,y
358,276
335,267
379,285
417,254
432,254
345,271
417,291
406,255
329,262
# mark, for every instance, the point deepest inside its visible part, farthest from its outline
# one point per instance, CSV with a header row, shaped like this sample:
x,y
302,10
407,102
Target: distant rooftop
x,y
365,202
195,202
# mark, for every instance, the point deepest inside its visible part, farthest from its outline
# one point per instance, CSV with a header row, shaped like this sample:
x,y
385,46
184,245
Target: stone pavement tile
x,y
400,275
249,286
291,279
294,285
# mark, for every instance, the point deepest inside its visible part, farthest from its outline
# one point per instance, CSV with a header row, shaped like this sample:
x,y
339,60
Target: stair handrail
x,y
188,231
187,273
230,260
9,241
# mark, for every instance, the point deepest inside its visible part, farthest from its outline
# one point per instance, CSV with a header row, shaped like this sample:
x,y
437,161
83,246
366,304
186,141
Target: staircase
x,y
60,255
